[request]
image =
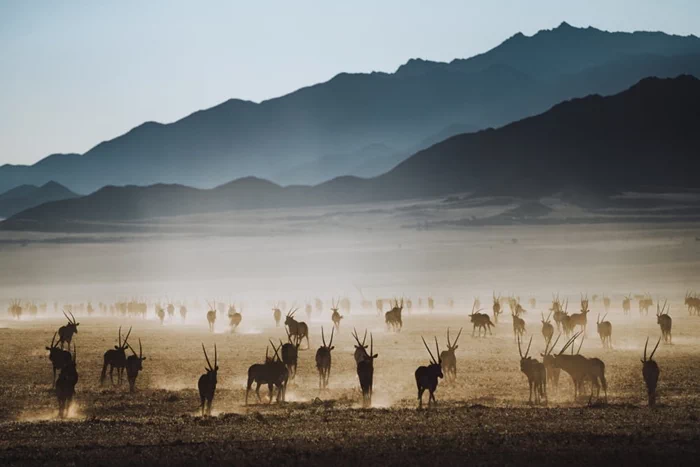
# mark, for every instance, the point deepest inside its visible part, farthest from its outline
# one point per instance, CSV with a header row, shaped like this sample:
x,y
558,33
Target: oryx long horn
x,y
330,344
323,338
580,345
645,349
437,348
207,357
432,359
53,339
655,347
527,352
520,350
127,337
119,336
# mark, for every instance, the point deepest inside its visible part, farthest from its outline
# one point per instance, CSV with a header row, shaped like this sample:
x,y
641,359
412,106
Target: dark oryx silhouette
x,y
65,333
323,360
65,385
448,357
427,376
297,329
134,364
273,373
650,373
207,383
115,358
59,358
365,371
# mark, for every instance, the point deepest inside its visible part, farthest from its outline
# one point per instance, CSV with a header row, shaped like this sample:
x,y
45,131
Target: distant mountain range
x,y
646,138
365,124
27,196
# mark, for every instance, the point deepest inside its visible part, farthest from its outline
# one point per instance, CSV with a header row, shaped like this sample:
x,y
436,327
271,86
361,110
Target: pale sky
x,y
76,72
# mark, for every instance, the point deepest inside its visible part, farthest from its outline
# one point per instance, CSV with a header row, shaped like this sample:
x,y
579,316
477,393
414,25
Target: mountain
x,y
646,138
364,124
27,196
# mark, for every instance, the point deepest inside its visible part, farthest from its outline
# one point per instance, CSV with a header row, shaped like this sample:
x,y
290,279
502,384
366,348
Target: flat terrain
x,y
481,418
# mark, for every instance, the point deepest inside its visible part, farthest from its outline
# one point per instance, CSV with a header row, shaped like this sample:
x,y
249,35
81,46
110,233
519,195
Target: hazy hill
x,y
645,138
363,124
27,196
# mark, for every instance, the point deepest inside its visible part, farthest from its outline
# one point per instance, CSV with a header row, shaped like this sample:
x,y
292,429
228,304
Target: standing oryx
x,y
535,372
547,327
134,364
273,373
448,357
234,317
427,376
393,318
207,383
581,319
496,307
336,316
211,316
581,368
604,331
65,333
115,358
290,353
277,315
297,329
160,313
665,322
323,360
480,320
65,385
59,358
626,304
518,326
548,362
365,370
650,373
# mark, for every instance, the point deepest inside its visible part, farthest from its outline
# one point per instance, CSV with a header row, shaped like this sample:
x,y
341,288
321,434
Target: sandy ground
x,y
482,418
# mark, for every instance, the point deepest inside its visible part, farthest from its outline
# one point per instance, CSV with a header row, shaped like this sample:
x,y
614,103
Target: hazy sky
x,y
74,73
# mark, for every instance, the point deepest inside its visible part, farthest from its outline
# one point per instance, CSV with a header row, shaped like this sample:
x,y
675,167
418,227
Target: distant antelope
x,y
65,333
559,311
183,312
496,308
207,383
308,309
134,364
548,362
15,310
448,357
211,317
59,358
290,353
160,313
650,373
115,358
480,321
547,328
665,322
171,310
273,372
581,368
626,304
604,331
409,305
234,317
693,303
431,304
323,360
606,303
644,304
65,385
277,315
318,303
365,371
393,318
360,348
535,372
427,376
297,329
533,302
335,317
518,326
581,319
379,303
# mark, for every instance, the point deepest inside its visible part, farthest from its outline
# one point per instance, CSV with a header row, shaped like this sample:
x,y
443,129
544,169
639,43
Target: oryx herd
x,y
281,362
